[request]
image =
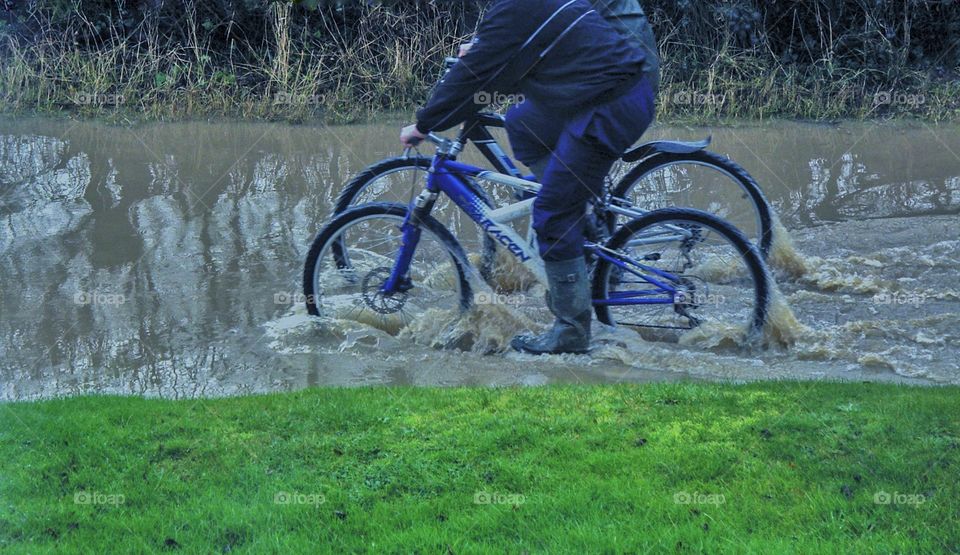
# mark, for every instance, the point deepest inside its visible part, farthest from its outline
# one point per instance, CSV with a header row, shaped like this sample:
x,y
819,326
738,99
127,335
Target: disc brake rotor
x,y
376,299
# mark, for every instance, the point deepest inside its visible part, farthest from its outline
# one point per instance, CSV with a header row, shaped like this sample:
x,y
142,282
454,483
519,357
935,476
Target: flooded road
x,y
166,260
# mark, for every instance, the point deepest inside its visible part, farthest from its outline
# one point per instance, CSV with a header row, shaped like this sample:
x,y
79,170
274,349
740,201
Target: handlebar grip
x,y
431,137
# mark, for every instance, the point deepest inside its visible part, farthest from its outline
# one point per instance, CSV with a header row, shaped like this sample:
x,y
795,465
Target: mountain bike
x,y
667,173
665,271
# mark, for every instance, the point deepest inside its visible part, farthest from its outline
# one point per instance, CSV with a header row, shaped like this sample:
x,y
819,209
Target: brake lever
x,y
411,149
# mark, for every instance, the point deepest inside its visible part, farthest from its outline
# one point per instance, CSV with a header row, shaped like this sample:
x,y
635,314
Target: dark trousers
x,y
581,147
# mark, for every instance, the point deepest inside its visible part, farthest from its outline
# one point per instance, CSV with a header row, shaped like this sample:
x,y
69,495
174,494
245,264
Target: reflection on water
x,y
148,259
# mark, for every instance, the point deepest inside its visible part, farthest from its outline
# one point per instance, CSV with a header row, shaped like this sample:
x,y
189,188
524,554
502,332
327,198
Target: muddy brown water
x,y
165,260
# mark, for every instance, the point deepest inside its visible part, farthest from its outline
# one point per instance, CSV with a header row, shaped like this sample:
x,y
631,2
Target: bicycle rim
x,y
701,184
347,283
720,289
399,184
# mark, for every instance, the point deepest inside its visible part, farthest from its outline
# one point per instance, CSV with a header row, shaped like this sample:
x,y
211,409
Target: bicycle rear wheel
x,y
705,181
717,276
352,257
389,180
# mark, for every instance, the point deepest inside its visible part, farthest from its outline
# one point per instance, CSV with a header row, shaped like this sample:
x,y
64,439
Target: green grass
x,y
771,468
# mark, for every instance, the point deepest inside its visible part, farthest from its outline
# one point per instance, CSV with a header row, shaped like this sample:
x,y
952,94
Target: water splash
x,y
509,275
850,324
784,254
485,328
783,328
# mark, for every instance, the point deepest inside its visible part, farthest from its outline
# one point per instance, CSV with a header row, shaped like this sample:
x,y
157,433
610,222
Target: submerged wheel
x,y
394,180
352,257
716,275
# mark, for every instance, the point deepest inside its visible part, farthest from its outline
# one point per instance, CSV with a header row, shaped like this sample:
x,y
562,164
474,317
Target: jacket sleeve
x,y
499,37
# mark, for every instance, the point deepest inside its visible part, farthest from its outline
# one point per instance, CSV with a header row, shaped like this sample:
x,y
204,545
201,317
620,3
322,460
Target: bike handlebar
x,y
433,138
438,140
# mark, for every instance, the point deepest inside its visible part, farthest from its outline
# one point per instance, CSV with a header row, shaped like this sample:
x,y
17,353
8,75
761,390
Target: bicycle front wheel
x,y
675,270
353,256
705,181
396,180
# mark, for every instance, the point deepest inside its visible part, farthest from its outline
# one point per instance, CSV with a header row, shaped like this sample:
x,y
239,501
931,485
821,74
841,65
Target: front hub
x,y
378,300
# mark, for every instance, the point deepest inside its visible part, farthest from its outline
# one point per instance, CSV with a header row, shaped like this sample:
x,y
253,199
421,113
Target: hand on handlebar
x,y
410,137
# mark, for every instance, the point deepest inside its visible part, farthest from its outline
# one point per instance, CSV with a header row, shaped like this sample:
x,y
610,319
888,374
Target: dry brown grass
x,y
391,59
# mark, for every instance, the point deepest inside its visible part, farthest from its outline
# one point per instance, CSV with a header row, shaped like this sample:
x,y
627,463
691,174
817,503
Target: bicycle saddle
x,y
670,147
491,119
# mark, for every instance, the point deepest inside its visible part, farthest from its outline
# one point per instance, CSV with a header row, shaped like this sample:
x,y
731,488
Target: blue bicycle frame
x,y
448,177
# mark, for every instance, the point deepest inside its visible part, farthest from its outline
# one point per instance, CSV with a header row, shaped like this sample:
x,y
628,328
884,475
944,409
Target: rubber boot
x,y
569,300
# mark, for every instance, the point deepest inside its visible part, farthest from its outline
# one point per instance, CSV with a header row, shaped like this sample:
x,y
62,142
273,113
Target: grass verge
x,y
771,468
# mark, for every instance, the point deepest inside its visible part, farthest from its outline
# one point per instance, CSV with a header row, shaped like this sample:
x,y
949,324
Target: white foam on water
x,y
485,328
801,339
784,254
509,275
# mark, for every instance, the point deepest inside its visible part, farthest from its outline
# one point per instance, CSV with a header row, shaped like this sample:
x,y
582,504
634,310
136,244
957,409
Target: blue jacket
x,y
627,17
576,59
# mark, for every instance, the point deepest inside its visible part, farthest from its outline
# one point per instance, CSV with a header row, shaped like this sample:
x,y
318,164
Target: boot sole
x,y
536,352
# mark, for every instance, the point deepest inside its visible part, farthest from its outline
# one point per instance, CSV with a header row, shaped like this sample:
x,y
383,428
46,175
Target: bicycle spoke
x,y
704,181
351,287
705,277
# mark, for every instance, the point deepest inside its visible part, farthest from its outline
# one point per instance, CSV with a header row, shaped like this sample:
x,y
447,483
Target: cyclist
x,y
627,17
588,87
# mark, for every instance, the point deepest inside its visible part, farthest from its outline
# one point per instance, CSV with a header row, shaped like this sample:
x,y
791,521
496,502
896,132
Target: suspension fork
x,y
399,280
